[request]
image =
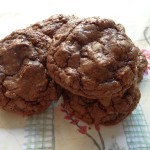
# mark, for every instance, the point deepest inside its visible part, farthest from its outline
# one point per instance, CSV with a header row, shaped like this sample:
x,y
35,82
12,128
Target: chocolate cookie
x,y
99,111
52,24
141,65
93,58
24,84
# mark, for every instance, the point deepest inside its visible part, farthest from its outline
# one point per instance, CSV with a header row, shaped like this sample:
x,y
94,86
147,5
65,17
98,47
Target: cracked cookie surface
x,y
100,111
24,84
93,58
50,26
141,65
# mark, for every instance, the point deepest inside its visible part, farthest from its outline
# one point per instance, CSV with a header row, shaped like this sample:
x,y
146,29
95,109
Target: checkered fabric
x,y
40,133
137,131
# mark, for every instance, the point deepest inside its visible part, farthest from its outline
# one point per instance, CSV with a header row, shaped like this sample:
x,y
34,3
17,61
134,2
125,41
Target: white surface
x,y
11,130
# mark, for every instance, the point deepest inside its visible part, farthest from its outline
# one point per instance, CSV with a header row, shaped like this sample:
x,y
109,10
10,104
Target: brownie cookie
x,y
93,58
97,112
24,84
141,65
52,24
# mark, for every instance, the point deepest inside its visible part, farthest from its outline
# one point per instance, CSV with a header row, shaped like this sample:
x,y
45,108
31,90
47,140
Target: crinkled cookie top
x,y
92,58
23,73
